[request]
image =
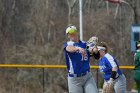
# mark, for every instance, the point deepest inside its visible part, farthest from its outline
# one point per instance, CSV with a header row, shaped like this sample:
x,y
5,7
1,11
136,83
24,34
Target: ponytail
x,y
104,44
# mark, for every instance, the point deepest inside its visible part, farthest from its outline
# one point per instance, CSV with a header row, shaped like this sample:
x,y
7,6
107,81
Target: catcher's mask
x,y
71,30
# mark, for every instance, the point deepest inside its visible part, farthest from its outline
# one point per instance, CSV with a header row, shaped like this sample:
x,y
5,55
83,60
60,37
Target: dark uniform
x,y
137,66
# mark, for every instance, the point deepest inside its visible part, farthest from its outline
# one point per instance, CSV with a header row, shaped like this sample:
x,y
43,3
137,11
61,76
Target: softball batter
x,y
77,56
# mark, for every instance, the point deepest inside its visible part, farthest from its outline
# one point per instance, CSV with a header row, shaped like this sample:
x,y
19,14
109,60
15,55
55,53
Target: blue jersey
x,y
107,62
75,62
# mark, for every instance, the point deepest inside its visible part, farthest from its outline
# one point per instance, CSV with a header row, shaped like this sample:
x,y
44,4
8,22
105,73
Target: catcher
x,y
77,55
114,79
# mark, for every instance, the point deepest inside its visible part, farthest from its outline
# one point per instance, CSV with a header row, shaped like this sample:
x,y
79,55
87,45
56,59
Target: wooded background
x,y
33,32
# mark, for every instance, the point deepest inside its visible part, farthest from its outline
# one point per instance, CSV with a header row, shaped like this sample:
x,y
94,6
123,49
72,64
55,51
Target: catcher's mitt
x,y
108,87
91,44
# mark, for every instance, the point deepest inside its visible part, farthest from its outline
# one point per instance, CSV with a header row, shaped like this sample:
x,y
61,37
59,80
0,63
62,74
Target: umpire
x,y
137,65
77,56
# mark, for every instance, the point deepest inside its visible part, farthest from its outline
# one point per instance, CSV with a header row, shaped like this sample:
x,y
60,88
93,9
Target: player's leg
x,y
74,85
120,84
90,85
138,86
137,79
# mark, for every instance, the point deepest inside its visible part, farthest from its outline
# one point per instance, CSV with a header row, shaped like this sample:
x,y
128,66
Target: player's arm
x,y
113,73
73,49
109,87
114,68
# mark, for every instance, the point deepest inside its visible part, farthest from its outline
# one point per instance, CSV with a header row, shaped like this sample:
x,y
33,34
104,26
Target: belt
x,y
78,75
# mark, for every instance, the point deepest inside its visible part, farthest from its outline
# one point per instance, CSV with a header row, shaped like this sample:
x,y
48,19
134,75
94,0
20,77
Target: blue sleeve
x,y
65,45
